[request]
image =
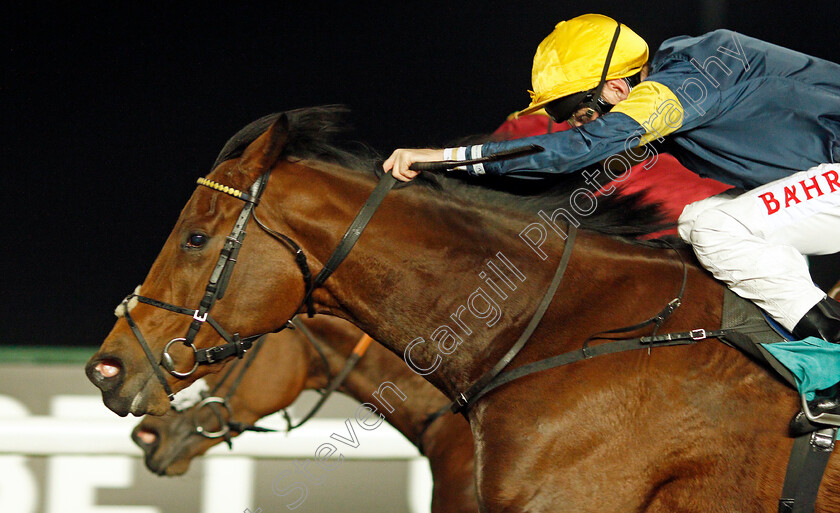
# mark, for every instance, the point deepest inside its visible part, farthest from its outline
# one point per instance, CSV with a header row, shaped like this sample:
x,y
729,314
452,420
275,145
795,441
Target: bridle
x,y
214,401
234,344
215,290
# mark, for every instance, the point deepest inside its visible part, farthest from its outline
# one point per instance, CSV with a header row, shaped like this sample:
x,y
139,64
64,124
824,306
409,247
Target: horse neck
x,y
420,260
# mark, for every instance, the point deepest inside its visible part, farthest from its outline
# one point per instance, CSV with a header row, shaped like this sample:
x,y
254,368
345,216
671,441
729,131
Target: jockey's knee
x,y
711,228
692,212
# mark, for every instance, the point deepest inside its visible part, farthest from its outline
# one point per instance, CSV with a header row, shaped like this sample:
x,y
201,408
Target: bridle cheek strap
x,y
227,258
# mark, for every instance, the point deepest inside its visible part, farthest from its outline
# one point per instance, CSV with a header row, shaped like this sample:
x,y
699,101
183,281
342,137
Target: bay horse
x,y
288,363
441,276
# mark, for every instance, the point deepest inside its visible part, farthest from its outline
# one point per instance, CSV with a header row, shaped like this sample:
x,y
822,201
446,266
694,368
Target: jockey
x,y
728,107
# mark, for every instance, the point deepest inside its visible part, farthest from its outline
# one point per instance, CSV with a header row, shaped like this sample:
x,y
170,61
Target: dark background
x,y
110,113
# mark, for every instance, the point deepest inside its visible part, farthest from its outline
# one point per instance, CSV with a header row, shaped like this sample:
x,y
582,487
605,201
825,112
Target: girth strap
x,y
808,459
616,346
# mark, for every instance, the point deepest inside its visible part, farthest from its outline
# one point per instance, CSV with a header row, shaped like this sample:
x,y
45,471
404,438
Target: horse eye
x,y
196,240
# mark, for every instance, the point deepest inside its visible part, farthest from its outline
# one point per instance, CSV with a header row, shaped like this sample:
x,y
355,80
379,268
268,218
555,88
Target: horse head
x,y
149,354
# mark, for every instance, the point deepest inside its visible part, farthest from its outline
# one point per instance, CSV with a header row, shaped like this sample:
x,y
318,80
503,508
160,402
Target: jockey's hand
x,y
399,161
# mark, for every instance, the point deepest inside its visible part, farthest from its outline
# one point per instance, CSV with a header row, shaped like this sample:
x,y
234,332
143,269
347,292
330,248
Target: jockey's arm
x,y
646,114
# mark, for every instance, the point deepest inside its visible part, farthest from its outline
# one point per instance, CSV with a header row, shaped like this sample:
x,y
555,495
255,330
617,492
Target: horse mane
x,y
312,133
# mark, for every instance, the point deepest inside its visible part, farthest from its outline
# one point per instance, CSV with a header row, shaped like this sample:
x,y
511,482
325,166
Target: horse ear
x,y
265,151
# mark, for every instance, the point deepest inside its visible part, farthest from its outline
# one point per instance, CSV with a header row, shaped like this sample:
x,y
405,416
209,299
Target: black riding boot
x,y
821,321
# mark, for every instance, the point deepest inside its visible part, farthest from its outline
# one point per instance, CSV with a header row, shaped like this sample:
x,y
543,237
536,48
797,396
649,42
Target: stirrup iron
x,y
825,418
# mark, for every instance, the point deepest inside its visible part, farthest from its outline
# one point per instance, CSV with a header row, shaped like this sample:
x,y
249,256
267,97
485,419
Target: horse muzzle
x,y
120,395
166,443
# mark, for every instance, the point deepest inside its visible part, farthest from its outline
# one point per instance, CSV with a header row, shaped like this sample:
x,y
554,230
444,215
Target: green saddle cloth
x,y
814,363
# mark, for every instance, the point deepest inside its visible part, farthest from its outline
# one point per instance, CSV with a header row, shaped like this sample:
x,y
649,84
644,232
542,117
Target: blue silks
x,y
814,362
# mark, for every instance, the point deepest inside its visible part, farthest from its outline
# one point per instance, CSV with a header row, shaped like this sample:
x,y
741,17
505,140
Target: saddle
x,y
750,330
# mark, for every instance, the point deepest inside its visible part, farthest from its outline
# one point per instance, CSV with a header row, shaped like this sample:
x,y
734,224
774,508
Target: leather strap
x,y
354,231
658,319
617,346
605,71
217,284
386,183
235,346
466,399
146,349
300,260
808,459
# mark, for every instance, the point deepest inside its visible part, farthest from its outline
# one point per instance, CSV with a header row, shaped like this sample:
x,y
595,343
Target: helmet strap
x,y
597,103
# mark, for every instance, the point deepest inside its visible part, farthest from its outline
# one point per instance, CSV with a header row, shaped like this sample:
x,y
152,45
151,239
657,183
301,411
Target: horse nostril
x,y
147,437
144,437
108,368
105,373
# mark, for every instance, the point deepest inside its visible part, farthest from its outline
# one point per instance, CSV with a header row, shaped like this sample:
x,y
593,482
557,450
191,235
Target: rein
x,y
466,399
358,351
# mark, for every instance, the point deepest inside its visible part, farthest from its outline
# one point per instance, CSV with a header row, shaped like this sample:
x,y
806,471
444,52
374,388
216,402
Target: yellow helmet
x,y
572,58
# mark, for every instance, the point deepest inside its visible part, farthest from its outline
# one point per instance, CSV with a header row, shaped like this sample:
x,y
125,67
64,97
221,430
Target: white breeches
x,y
755,242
